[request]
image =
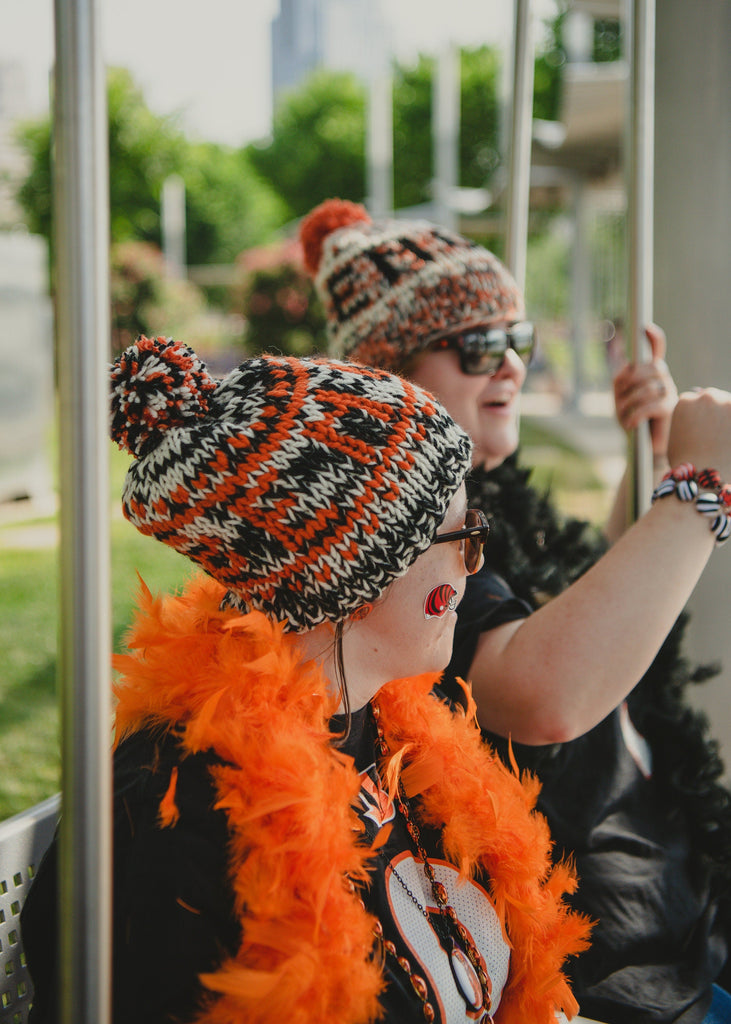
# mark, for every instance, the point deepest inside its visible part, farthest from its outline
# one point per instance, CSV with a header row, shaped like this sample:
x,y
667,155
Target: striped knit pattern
x,y
303,486
392,287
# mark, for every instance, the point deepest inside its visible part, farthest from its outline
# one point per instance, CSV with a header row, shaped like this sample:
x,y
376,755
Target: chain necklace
x,y
417,982
466,964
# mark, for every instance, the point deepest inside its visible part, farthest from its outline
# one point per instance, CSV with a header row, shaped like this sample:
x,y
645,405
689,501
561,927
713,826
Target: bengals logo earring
x,y
439,601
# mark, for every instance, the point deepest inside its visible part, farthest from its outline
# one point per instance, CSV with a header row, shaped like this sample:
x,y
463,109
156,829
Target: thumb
x,y
658,344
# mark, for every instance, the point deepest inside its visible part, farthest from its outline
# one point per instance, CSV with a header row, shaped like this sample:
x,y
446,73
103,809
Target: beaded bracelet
x,y
711,497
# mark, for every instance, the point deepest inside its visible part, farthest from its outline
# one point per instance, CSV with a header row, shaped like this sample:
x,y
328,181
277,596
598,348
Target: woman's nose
x,y
512,366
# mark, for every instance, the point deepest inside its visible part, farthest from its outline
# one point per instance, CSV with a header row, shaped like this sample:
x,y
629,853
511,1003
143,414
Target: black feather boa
x,y
540,553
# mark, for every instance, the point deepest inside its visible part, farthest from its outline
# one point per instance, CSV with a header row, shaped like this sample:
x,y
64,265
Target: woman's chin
x,y
492,456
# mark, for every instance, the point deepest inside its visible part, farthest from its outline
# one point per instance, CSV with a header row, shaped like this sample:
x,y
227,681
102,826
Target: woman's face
x,y
486,407
410,630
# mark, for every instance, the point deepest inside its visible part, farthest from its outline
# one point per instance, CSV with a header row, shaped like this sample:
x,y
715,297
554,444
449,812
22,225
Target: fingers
x,y
657,341
644,391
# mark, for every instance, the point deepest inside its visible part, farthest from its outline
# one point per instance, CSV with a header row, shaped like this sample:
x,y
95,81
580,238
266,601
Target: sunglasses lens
x,y
472,554
474,545
482,352
523,340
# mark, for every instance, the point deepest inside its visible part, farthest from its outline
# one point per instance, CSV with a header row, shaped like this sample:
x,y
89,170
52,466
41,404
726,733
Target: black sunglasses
x,y
474,534
482,350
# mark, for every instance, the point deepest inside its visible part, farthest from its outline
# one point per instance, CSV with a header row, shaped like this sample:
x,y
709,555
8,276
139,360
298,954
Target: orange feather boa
x,y
235,684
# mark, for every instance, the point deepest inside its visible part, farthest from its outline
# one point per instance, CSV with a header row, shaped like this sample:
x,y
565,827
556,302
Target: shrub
x,y
145,300
278,301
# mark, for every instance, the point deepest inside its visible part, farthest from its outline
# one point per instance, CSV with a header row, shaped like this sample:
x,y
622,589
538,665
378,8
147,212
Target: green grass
x,y
29,731
571,478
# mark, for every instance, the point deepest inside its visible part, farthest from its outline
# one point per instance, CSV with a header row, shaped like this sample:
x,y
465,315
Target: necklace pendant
x,y
465,978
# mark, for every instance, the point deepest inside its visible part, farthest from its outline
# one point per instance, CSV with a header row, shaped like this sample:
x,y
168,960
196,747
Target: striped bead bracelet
x,y
712,498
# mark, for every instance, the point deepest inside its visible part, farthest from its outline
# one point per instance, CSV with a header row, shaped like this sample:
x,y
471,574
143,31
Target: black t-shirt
x,y
656,944
173,906
400,896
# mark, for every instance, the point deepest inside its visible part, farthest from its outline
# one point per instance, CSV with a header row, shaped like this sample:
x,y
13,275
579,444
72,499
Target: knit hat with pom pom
x,y
304,486
390,288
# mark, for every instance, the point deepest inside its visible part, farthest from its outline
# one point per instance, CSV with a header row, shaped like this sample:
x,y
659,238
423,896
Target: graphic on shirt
x,y
377,804
439,601
416,915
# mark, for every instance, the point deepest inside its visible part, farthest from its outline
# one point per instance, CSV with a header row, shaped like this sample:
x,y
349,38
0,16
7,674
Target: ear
x,y
361,613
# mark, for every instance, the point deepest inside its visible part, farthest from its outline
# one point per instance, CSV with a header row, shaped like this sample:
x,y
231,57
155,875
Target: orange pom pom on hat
x,y
390,288
304,486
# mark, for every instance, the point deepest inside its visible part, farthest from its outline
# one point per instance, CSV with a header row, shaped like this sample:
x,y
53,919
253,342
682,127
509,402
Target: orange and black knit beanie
x,y
304,486
390,288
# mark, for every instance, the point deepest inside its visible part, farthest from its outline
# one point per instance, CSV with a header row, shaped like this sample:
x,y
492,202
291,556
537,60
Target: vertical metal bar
x,y
81,206
580,289
518,193
380,143
640,24
446,105
173,225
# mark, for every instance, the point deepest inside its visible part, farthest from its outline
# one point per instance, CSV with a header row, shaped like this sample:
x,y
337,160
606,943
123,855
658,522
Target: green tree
x,y
143,149
34,194
412,143
228,206
479,116
317,148
549,68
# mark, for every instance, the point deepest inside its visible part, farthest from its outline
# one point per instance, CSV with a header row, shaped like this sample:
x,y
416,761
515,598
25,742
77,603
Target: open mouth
x,y
497,403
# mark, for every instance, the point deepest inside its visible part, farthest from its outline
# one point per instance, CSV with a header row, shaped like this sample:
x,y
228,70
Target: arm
x,y
643,392
554,675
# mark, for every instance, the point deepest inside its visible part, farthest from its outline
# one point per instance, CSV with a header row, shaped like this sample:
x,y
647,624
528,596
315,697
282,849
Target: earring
x,y
439,601
361,613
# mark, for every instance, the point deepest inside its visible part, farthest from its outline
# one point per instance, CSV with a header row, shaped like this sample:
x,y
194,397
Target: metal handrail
x,y
518,188
639,171
81,207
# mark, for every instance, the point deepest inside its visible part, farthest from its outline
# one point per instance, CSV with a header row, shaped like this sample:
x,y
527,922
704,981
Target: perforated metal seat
x,y
24,838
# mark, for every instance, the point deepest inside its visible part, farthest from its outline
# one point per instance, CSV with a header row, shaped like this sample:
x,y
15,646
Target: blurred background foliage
x,y
242,205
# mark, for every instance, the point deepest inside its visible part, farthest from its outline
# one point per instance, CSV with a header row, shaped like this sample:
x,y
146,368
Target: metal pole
x,y
580,289
81,204
640,210
173,225
380,143
518,196
446,93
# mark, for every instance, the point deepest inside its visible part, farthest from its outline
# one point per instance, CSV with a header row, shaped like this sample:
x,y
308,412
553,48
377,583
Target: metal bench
x,y
24,838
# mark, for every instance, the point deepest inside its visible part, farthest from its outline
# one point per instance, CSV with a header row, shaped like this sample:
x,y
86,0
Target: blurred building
x,y
13,165
341,35
26,336
26,357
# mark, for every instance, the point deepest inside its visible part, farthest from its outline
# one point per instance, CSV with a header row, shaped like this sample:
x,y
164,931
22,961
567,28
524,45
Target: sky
x,y
209,62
